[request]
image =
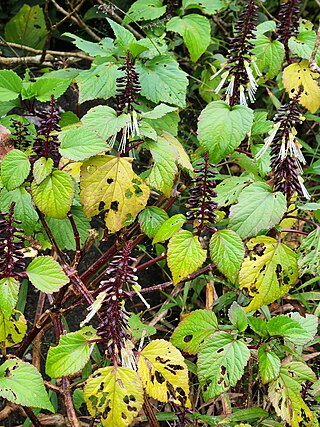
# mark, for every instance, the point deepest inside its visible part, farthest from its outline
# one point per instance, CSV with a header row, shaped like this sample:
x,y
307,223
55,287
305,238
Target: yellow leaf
x,y
163,372
108,183
12,330
298,74
182,157
115,394
268,271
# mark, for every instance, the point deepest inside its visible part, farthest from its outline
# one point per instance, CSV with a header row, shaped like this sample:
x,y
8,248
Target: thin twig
x,y
76,239
312,63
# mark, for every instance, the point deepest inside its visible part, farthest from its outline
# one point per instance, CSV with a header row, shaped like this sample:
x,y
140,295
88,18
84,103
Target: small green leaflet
x,y
238,317
71,354
22,384
185,255
221,363
303,45
227,252
10,85
208,6
124,38
47,85
221,129
41,169
103,48
162,80
309,253
9,291
193,330
54,195
104,121
268,271
169,228
269,363
158,112
139,328
270,56
258,208
144,10
46,274
259,326
151,219
229,189
15,168
196,33
291,329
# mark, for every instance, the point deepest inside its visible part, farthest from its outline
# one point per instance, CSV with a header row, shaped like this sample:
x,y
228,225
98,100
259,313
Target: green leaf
x,y
258,209
238,317
221,363
54,195
229,189
259,326
98,82
140,329
110,182
164,170
41,169
303,45
105,121
12,330
151,219
265,27
158,112
289,329
193,330
9,292
162,80
81,143
22,384
285,394
115,394
71,354
15,168
268,271
195,31
169,228
221,129
270,56
180,154
208,6
144,10
167,123
185,255
309,253
24,210
27,27
309,323
47,85
227,252
269,363
10,86
103,48
46,274
124,38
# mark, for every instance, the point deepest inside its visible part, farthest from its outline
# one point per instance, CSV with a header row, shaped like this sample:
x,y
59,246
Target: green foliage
x,y
46,274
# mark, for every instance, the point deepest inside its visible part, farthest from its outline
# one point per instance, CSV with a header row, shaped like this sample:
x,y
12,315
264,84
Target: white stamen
x,y
268,140
218,72
243,100
256,68
303,188
222,82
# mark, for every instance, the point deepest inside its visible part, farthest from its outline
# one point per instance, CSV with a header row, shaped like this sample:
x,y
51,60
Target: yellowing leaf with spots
x,y
109,184
12,330
185,255
115,395
268,271
298,74
163,372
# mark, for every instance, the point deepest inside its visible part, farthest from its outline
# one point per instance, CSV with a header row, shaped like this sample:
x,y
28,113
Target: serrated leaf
x,y
24,210
309,253
163,372
268,271
221,363
162,80
181,156
221,129
144,10
27,27
115,394
238,317
259,326
151,219
54,195
269,363
104,121
103,48
46,274
196,33
284,394
158,112
208,6
270,56
227,252
169,228
229,189
15,168
309,323
9,292
62,229
41,169
110,180
258,208
303,44
193,330
81,143
47,85
139,328
168,123
13,329
124,38
185,255
71,354
22,384
10,86
289,329
299,74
